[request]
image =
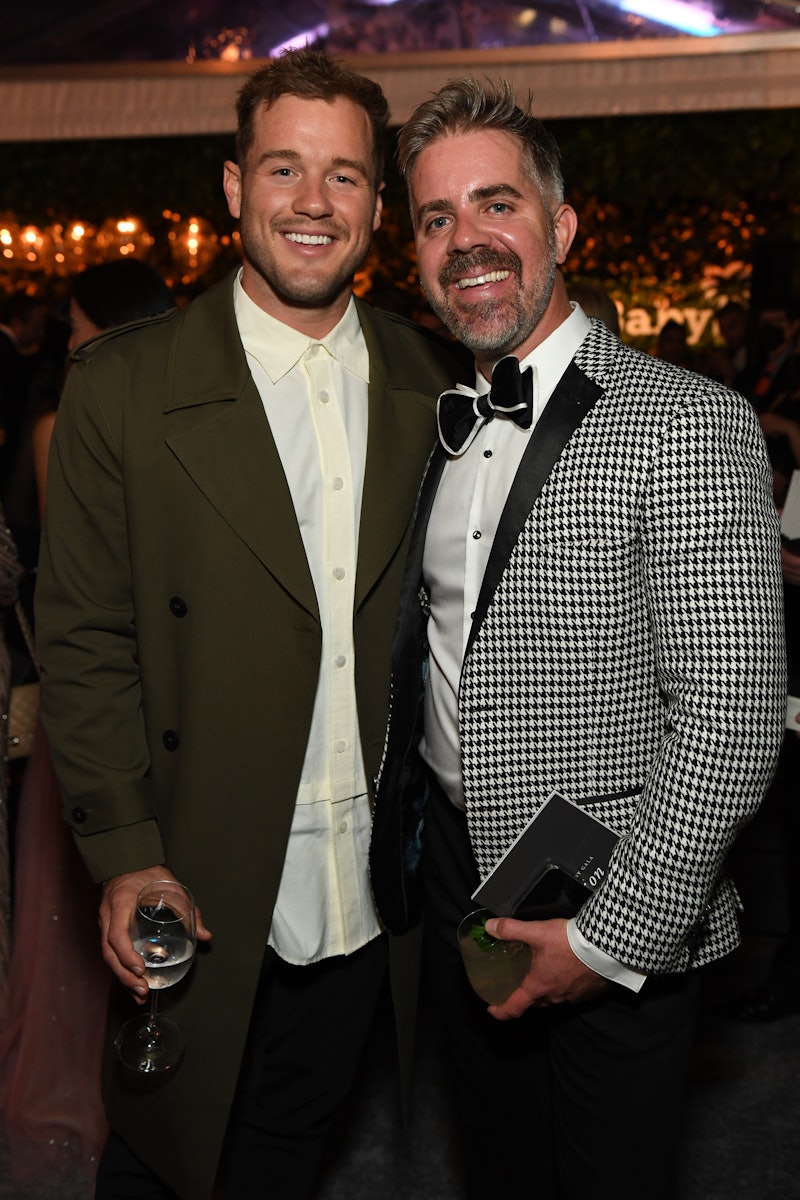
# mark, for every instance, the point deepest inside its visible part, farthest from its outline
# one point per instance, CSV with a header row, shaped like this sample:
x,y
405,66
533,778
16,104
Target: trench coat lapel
x,y
217,428
400,430
574,396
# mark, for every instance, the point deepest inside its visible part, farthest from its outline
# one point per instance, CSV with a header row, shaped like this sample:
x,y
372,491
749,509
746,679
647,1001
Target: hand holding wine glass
x,y
117,906
164,934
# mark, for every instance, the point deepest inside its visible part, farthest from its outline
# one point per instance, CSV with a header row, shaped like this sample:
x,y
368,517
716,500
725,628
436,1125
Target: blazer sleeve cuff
x,y
601,963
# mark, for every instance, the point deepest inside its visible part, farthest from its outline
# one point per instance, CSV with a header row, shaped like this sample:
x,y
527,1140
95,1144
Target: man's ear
x,y
376,219
232,186
565,224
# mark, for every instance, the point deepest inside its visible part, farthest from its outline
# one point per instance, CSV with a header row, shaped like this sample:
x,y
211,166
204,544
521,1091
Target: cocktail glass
x,y
495,968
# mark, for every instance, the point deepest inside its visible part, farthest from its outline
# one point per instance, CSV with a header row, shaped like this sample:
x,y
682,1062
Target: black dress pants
x,y
568,1101
307,1033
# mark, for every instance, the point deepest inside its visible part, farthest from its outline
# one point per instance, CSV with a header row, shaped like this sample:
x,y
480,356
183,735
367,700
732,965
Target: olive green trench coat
x,y
180,643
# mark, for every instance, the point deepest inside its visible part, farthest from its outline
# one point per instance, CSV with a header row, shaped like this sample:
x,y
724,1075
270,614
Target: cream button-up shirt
x,y
315,398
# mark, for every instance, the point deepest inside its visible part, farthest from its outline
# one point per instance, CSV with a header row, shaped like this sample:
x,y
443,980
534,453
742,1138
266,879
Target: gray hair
x,y
465,105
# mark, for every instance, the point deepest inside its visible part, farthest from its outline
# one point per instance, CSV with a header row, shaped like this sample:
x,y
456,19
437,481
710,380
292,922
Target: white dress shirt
x,y
466,512
315,397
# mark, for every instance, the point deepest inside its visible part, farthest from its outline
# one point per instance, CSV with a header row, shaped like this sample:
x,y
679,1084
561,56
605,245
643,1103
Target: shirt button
x,y
343,827
338,484
476,534
338,572
313,351
340,746
487,454
170,739
177,606
340,660
324,397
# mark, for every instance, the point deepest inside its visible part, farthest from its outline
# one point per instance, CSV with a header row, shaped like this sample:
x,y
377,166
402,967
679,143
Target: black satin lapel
x,y
416,547
574,396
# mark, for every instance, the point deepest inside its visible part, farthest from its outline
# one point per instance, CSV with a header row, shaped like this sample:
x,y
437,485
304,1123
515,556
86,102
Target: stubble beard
x,y
495,326
305,290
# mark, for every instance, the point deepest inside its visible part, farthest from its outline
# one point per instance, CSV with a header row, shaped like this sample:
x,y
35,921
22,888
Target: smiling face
x,y
487,248
307,206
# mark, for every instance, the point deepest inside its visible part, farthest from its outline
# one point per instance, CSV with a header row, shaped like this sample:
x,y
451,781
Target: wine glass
x,y
163,932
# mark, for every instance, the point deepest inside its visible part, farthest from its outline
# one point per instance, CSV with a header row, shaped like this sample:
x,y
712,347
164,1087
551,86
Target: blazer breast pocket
x,y
614,809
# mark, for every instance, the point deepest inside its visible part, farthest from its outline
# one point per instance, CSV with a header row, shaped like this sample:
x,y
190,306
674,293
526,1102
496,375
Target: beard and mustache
x,y
494,326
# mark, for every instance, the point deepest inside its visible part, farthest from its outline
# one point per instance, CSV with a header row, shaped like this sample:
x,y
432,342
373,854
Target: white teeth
x,y
489,277
309,239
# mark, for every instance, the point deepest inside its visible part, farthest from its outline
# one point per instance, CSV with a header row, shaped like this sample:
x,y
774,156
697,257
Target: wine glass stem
x,y
153,1015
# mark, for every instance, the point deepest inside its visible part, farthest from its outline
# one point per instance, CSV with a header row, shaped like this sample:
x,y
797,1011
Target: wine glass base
x,y
150,1046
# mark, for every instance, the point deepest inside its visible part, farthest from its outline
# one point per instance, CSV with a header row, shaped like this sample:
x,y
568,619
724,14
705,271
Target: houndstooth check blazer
x,y
626,650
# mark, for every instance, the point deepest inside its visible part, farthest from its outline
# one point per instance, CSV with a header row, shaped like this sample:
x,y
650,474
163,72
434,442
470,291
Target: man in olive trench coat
x,y
180,633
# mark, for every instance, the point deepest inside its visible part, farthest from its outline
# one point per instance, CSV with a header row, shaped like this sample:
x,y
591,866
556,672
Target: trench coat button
x,y
170,739
79,815
177,607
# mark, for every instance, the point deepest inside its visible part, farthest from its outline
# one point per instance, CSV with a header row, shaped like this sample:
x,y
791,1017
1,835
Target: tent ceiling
x,y
49,31
139,67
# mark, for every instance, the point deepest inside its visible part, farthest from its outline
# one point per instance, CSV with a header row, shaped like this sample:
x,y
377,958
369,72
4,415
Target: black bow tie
x,y
511,396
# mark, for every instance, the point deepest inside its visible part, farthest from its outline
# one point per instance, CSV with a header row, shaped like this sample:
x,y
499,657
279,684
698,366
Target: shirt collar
x,y
278,348
552,357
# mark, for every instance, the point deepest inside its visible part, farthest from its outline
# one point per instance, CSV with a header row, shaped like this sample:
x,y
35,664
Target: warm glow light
x,y
194,245
5,237
229,45
125,236
526,17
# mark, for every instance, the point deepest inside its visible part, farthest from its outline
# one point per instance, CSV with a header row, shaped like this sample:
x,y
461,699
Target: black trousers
x,y
307,1033
568,1101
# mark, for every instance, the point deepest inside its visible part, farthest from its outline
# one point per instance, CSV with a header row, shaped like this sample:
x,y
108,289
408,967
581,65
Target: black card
x,y
554,865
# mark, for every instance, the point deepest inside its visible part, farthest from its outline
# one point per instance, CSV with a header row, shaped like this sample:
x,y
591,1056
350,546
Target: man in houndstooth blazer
x,y
593,603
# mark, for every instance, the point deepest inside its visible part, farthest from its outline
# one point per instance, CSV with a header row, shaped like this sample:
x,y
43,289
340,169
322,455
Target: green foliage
x,y
674,205
93,180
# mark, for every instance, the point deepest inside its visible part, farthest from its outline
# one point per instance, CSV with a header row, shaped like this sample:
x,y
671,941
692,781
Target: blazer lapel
x,y
217,428
574,396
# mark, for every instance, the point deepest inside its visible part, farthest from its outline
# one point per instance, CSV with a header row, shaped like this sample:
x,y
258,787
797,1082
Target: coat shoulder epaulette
x,y
87,350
